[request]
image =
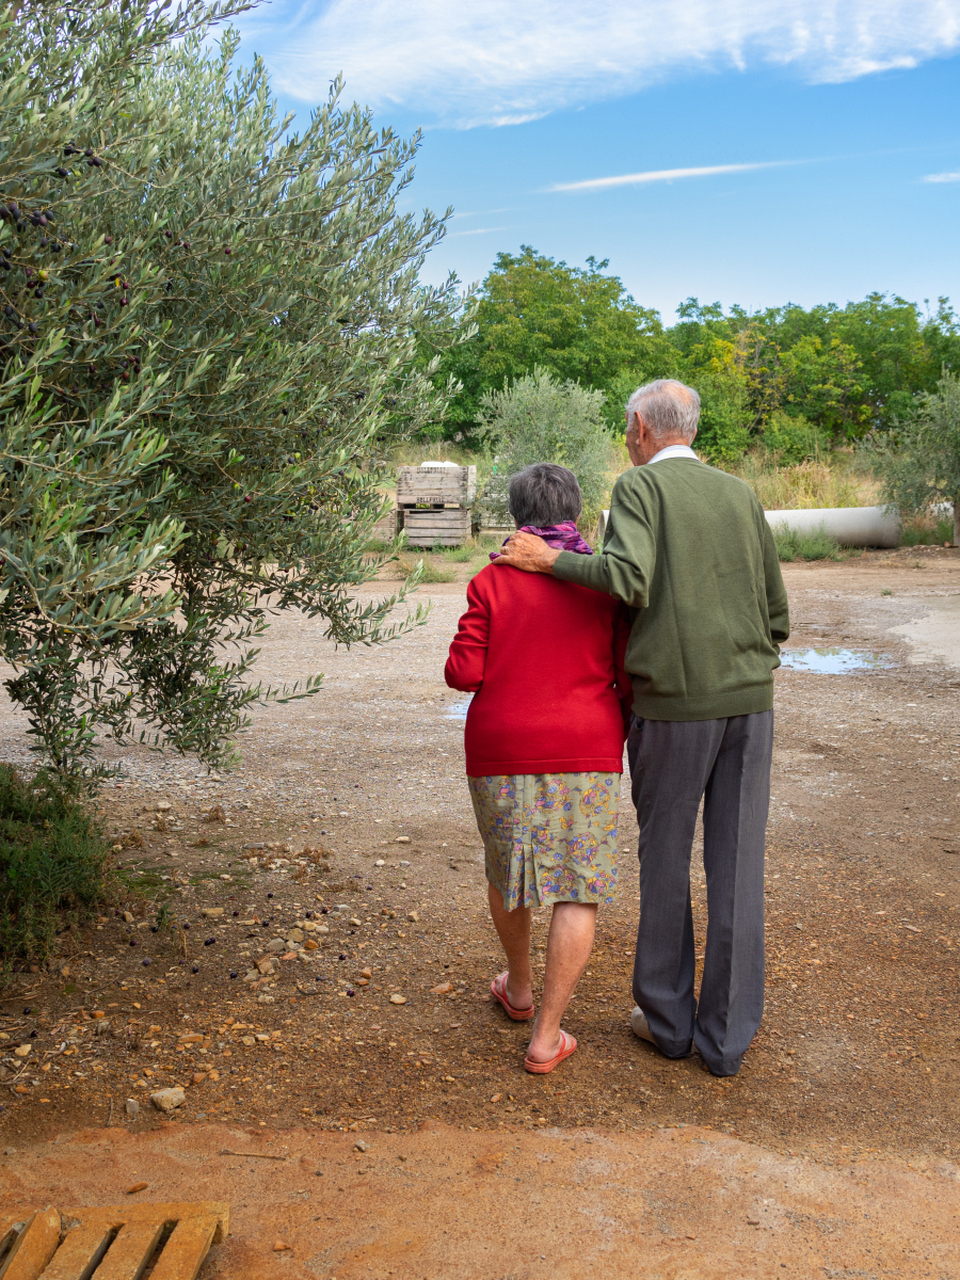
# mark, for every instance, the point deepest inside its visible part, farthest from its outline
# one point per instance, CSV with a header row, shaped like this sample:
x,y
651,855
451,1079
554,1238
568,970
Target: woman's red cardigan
x,y
545,659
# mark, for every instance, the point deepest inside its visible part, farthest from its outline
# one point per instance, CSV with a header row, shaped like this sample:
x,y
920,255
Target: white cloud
x,y
664,175
508,61
942,177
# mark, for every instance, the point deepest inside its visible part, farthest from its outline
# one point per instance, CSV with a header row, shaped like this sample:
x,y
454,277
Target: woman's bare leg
x,y
568,950
513,928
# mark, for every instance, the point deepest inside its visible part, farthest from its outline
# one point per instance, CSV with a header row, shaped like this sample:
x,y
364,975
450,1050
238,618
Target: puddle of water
x,y
458,710
833,662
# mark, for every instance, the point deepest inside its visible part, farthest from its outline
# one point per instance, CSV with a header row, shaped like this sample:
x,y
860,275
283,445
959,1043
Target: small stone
x,y
24,1050
402,840
443,989
366,973
380,863
20,1088
198,1077
249,1041
276,945
129,917
266,964
251,975
191,1037
265,999
398,999
360,1145
137,1186
132,1107
496,1097
9,1151
753,1222
310,945
99,1013
295,935
280,1247
355,922
164,806
211,913
168,1100
413,917
322,928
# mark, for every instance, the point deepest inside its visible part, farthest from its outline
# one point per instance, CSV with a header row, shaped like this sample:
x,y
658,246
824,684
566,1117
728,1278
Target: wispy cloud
x,y
479,231
508,61
942,177
665,175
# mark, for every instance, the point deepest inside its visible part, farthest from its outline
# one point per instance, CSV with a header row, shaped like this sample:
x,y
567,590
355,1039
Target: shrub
x,y
53,863
791,439
793,545
540,419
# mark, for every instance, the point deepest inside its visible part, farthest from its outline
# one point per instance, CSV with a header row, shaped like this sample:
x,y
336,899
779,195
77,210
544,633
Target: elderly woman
x,y
544,747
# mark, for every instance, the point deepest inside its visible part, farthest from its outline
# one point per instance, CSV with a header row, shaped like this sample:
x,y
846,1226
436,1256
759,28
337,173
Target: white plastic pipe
x,y
851,526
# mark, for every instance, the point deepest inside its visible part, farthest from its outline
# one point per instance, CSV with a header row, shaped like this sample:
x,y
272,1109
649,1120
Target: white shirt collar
x,y
674,451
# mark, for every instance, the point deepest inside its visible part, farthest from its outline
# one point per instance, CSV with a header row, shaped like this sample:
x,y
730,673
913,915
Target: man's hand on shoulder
x,y
528,552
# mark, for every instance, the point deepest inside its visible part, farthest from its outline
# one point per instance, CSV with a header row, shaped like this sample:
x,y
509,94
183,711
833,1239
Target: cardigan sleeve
x,y
468,652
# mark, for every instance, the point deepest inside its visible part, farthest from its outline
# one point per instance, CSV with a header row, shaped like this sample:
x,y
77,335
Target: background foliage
x,y
796,382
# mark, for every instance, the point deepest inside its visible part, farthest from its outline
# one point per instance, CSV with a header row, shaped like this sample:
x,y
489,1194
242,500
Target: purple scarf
x,y
564,537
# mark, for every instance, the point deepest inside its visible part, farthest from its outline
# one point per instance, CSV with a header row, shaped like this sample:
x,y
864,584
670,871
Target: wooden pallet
x,y
440,526
113,1242
436,486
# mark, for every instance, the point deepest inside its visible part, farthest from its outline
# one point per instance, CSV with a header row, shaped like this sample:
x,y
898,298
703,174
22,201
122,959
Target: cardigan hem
x,y
508,768
738,702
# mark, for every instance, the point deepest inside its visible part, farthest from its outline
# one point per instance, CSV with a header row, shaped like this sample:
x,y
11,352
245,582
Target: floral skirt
x,y
549,837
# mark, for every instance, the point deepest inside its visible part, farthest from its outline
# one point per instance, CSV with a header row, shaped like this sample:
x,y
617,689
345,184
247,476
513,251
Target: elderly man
x,y
689,549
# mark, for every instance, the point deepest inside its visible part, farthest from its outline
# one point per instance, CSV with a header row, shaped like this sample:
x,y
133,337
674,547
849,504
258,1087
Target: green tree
x,y
577,322
209,329
918,461
541,419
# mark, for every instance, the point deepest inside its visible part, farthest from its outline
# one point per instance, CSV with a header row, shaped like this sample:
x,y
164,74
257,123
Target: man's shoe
x,y
639,1026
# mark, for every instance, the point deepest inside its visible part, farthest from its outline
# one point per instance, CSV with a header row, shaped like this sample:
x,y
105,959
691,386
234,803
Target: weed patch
x,y
54,863
818,545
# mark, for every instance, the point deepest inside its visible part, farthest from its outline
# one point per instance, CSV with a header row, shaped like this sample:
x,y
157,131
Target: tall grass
x,y
816,482
53,864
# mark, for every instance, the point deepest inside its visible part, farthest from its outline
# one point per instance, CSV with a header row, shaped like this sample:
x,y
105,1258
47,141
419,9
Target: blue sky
x,y
833,131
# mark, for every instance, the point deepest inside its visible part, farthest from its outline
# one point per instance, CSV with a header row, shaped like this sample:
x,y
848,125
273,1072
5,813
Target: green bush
x,y
793,545
540,419
53,864
791,438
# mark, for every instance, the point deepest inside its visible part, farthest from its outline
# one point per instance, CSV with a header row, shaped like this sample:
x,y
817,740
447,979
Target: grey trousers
x,y
673,764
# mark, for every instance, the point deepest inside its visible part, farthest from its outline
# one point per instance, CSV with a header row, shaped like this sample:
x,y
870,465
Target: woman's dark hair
x,y
543,494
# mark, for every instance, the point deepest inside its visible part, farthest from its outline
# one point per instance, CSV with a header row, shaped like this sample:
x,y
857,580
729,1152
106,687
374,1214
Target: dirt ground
x,y
345,842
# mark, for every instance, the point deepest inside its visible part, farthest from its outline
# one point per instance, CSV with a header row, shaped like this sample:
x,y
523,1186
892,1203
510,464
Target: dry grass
x,y
814,483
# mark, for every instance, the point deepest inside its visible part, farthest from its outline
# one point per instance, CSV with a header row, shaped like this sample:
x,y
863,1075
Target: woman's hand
x,y
528,552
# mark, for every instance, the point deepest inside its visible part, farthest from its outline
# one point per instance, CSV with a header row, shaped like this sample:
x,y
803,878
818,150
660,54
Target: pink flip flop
x,y
498,989
568,1045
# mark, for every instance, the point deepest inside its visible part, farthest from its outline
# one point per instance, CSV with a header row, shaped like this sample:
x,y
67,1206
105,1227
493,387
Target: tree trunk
x,y
956,523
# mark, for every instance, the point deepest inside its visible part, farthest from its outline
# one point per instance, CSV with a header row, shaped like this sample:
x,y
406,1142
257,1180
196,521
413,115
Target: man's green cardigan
x,y
688,546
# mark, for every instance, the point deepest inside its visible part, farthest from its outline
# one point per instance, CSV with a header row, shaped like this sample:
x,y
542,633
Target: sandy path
x,y
855,1067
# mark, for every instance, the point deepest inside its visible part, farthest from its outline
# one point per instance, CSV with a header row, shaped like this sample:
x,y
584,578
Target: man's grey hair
x,y
544,494
669,409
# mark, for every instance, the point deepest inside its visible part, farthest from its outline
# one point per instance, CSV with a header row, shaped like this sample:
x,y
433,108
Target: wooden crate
x,y
436,486
441,526
385,530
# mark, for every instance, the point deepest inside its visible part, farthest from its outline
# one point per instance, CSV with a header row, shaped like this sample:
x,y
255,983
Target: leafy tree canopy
x,y
209,328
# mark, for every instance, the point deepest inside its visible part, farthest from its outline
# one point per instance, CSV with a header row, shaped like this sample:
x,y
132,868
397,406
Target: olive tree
x,y
208,333
918,462
539,418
